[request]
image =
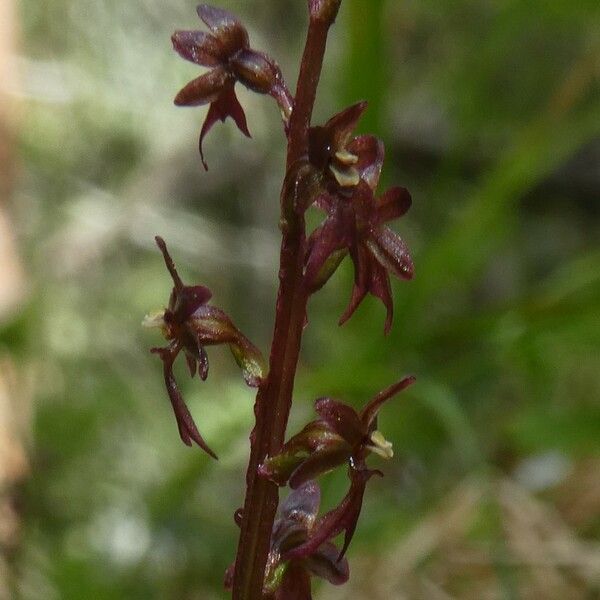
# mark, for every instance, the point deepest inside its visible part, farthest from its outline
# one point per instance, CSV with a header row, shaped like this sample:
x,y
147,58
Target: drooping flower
x,y
288,577
189,323
340,436
226,50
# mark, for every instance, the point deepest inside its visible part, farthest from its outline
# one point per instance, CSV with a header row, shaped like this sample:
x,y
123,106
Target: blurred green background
x,y
490,112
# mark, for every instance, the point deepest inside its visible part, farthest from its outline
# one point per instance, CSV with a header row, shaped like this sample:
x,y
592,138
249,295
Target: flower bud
x,y
324,10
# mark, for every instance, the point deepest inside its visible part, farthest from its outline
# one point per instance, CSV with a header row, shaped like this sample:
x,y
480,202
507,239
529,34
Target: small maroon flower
x,y
357,226
346,159
226,50
287,577
189,324
339,436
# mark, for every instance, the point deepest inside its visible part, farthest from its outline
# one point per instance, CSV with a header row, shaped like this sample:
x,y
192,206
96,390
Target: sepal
x,y
343,518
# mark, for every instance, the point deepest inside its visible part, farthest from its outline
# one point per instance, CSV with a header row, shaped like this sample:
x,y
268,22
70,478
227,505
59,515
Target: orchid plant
x,y
282,545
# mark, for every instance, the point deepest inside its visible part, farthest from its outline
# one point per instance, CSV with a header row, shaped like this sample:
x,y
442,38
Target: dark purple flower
x,y
226,50
189,323
288,577
356,225
341,435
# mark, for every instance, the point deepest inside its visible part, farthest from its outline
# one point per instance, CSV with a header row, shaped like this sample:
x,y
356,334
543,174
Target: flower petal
x,y
394,203
320,462
361,282
191,363
225,26
204,89
185,423
257,71
342,418
369,413
391,252
189,300
379,286
341,125
370,152
177,283
302,504
327,247
198,47
226,105
324,563
315,438
213,326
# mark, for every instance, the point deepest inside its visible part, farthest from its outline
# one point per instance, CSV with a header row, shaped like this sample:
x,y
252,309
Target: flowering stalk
x,y
330,169
274,400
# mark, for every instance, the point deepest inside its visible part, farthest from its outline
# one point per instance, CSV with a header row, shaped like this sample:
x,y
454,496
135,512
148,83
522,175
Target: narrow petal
x,y
191,363
226,105
225,26
341,125
369,412
370,152
361,283
326,250
319,463
202,363
379,286
324,563
358,294
342,418
185,423
204,89
394,203
391,252
177,283
198,47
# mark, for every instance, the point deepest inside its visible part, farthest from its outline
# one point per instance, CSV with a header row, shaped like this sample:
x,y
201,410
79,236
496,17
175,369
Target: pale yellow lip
x,y
155,319
380,445
346,158
346,177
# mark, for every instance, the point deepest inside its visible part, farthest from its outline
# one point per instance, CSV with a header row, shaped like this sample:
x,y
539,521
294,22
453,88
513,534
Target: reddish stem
x,y
274,398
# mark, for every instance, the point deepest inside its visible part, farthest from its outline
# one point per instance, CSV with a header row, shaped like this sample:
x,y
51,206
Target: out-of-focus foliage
x,y
490,112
